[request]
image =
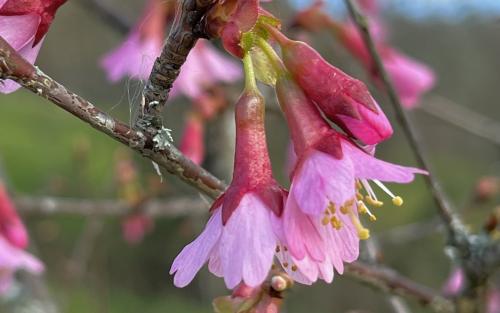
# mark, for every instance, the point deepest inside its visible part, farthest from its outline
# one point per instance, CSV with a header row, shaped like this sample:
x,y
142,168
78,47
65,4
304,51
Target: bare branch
x,y
185,31
13,66
390,281
111,207
464,118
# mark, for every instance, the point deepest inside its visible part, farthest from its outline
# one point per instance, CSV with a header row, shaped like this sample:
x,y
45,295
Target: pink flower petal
x,y
368,167
320,180
247,243
194,255
19,30
301,235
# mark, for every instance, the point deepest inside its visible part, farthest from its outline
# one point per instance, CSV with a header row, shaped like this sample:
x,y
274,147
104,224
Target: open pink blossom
x,y
135,57
320,219
343,99
204,68
23,24
13,259
11,226
239,240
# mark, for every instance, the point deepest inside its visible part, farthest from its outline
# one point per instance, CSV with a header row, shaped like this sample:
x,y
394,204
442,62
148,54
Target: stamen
x,y
331,207
294,268
363,233
278,249
396,200
336,223
369,189
285,264
363,209
325,221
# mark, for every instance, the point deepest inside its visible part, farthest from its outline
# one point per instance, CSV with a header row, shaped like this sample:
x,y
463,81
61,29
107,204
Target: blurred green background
x,y
45,151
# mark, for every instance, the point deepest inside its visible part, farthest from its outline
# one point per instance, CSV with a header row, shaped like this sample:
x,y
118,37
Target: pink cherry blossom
x,y
493,301
320,221
239,240
135,57
13,259
343,99
11,226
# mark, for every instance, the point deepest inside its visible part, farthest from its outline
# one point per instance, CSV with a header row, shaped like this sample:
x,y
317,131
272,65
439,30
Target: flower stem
x,y
250,83
273,57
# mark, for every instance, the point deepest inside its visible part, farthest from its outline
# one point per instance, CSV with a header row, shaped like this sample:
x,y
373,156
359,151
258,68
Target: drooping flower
x,y
239,241
23,24
13,259
343,99
11,226
320,220
136,55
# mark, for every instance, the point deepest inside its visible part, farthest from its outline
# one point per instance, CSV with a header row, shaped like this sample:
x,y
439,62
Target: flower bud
x,y
343,99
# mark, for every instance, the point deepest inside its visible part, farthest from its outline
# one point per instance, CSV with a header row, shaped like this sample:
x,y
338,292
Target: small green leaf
x,y
264,70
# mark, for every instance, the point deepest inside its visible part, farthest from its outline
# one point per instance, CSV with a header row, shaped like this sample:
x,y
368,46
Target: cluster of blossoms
x,y
315,227
13,241
411,78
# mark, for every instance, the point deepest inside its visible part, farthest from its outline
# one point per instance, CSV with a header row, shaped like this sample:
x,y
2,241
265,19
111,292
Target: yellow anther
x,y
397,201
373,218
344,210
349,203
373,202
359,196
358,185
364,234
331,207
325,221
336,223
362,207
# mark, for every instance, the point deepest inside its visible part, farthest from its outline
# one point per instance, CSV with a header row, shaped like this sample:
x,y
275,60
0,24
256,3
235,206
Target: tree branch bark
x,y
14,67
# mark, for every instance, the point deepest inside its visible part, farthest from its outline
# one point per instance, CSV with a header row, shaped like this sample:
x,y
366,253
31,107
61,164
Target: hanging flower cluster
x,y
23,24
314,228
411,78
13,241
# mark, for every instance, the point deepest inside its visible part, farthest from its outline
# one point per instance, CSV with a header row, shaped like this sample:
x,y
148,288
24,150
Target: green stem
x,y
250,83
273,57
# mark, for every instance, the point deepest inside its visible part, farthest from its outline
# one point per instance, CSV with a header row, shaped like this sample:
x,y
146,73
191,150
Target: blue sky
x,y
423,9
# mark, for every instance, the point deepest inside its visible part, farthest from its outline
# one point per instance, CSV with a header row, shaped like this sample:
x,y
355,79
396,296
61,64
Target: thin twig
x,y
456,230
13,66
108,15
464,118
388,280
186,30
86,207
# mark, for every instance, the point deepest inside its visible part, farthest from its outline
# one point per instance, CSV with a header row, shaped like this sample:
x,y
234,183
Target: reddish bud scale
x,y
46,9
11,226
343,99
252,166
